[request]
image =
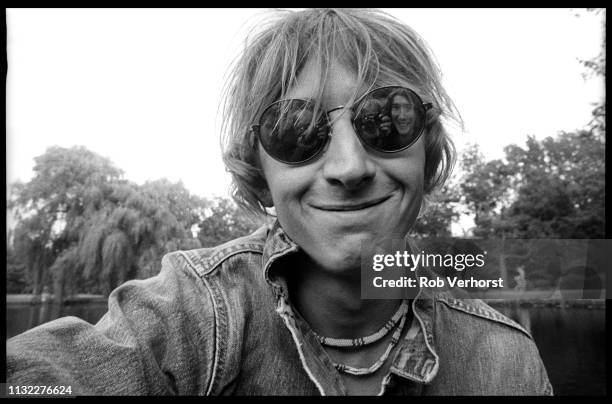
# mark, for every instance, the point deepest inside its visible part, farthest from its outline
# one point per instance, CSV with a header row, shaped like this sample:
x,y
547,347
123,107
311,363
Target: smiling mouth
x,y
353,206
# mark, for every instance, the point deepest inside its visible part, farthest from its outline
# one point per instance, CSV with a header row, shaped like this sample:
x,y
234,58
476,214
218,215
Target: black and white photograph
x,y
305,202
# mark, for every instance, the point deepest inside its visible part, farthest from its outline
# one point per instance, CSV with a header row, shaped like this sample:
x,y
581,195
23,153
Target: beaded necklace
x,y
366,371
361,341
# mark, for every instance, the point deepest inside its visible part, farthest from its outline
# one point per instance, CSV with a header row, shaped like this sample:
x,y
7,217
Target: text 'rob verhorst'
x,y
452,262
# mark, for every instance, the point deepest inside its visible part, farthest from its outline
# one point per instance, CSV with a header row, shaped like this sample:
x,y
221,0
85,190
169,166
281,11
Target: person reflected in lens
x,y
370,118
402,112
306,129
305,133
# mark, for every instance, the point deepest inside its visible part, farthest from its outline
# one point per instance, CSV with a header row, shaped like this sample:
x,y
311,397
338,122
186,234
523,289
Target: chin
x,y
341,263
344,254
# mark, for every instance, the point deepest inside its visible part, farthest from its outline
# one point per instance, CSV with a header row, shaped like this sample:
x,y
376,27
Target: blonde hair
x,y
378,47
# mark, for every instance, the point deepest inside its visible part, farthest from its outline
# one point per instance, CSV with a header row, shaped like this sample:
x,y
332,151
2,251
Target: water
x,y
23,316
572,343
571,340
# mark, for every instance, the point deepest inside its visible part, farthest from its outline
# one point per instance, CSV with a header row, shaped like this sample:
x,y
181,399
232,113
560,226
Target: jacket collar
x,y
277,245
416,358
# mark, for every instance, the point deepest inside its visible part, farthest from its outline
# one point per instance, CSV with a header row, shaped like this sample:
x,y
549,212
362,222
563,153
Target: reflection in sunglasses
x,y
387,119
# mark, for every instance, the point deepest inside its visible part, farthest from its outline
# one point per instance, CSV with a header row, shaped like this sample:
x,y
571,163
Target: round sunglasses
x,y
387,119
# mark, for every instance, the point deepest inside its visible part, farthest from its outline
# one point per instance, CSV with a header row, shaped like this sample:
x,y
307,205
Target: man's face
x,y
349,194
402,114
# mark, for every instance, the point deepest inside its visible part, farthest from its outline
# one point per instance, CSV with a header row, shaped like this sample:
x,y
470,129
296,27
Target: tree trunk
x,y
58,285
502,262
37,271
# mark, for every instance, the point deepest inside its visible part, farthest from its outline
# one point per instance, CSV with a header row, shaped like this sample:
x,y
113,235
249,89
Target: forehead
x,y
336,86
339,85
401,99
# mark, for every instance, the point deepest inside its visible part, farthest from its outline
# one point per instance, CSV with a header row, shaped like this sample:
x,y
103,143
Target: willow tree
x,y
49,209
81,227
132,229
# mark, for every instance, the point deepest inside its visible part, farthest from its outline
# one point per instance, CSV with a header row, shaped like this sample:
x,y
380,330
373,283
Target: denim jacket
x,y
217,321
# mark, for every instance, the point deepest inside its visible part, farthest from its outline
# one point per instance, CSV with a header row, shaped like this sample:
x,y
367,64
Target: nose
x,y
347,163
404,112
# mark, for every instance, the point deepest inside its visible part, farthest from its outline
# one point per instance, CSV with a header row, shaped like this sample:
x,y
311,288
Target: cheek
x,y
410,173
285,183
409,167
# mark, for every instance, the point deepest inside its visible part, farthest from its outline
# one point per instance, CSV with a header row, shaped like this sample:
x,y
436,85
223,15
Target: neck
x,y
331,302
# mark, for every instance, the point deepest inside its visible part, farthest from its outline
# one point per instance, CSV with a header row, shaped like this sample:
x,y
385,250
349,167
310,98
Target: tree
x,y
134,227
553,188
550,188
17,278
596,67
81,227
49,209
597,64
486,190
438,213
562,194
224,221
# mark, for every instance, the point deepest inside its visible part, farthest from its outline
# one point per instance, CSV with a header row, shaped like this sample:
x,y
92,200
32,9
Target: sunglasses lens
x,y
390,119
290,133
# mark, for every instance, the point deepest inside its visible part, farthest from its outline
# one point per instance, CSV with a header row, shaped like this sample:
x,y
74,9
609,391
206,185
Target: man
x,y
280,311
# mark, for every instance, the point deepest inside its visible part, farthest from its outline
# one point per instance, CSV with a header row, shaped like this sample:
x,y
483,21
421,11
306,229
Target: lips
x,y
349,207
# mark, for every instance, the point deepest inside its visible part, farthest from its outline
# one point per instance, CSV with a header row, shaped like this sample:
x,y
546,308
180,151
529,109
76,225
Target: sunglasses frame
x,y
257,127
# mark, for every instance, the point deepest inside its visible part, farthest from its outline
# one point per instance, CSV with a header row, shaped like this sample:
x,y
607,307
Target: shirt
x,y
218,321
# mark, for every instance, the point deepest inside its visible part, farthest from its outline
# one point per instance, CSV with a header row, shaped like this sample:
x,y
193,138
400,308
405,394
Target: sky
x,y
142,86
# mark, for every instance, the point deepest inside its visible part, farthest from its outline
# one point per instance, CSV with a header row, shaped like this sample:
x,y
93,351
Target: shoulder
x,y
205,261
480,312
493,346
473,323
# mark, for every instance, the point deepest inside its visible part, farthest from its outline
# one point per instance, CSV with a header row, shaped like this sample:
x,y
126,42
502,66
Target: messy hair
x,y
380,49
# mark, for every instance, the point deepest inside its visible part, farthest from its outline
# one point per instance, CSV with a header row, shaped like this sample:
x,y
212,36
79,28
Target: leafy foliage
x,y
439,211
82,228
50,207
224,221
553,188
17,278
